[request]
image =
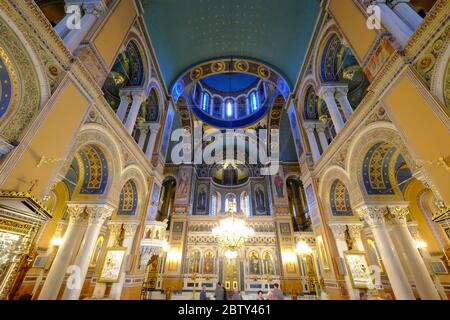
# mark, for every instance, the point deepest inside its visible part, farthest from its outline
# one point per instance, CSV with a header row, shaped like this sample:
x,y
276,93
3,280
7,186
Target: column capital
x,y
76,213
309,125
130,229
341,92
373,215
321,125
339,229
327,92
99,213
399,214
355,229
154,127
125,94
95,7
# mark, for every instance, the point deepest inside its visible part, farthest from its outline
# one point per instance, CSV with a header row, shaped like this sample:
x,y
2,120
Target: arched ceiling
x,y
187,32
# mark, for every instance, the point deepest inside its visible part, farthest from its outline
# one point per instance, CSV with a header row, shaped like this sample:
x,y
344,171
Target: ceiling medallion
x,y
218,67
241,66
263,72
197,73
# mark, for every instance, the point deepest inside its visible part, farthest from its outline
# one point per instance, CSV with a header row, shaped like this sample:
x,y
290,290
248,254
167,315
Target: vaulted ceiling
x,y
187,32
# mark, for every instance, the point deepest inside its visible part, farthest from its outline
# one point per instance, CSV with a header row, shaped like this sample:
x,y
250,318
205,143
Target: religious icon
x,y
208,266
113,264
358,269
253,263
194,262
268,263
201,199
278,181
259,198
184,184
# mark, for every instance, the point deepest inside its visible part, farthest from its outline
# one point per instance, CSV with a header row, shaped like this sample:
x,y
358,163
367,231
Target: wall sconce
x,y
56,241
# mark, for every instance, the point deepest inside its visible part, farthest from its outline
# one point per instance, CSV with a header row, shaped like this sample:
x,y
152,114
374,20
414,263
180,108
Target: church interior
x,y
348,101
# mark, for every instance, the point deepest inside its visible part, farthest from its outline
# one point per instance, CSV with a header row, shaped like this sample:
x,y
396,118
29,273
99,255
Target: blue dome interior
x,y
230,82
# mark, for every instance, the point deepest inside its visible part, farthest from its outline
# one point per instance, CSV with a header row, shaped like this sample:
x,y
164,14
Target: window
x,y
214,205
229,109
253,101
205,102
245,204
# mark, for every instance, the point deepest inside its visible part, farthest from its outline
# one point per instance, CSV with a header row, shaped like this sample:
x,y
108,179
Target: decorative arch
x,y
97,135
94,170
128,200
19,104
377,146
340,200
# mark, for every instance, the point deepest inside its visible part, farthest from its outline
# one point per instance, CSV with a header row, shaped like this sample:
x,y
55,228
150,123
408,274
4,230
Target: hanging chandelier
x,y
232,233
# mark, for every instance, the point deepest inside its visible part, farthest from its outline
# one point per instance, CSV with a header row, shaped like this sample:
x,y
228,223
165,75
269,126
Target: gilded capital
x,y
355,229
98,214
399,214
373,216
339,230
76,213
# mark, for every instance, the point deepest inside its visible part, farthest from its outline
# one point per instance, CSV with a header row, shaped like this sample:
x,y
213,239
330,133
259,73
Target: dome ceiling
x,y
185,33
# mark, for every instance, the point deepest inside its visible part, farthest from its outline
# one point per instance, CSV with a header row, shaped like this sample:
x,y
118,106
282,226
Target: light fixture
x,y
56,241
232,233
231,254
303,248
420,244
165,246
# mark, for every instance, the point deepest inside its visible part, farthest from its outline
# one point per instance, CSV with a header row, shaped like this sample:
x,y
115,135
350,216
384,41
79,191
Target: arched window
x,y
205,102
229,109
245,204
253,101
214,205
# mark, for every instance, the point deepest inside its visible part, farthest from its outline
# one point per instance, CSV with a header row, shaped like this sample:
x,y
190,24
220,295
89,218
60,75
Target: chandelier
x,y
232,233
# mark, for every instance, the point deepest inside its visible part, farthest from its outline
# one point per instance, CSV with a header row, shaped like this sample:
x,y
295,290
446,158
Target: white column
x,y
61,28
374,216
407,13
125,101
143,132
116,288
355,229
55,276
416,265
339,229
114,228
312,140
97,216
154,129
91,14
138,99
327,94
321,126
400,30
342,98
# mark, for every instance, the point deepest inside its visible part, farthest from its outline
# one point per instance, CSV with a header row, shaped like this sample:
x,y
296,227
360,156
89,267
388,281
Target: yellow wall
x,y
62,121
109,40
360,38
425,134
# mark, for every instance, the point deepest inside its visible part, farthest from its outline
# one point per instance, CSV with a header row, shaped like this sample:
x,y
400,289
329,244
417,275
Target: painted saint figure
x,y
278,181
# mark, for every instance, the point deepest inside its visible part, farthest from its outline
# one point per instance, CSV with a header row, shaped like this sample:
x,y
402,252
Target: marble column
x,y
355,229
130,230
309,126
61,28
92,12
407,13
407,245
97,216
321,126
327,94
375,218
339,230
125,101
138,99
393,23
143,133
114,228
342,98
154,129
57,272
